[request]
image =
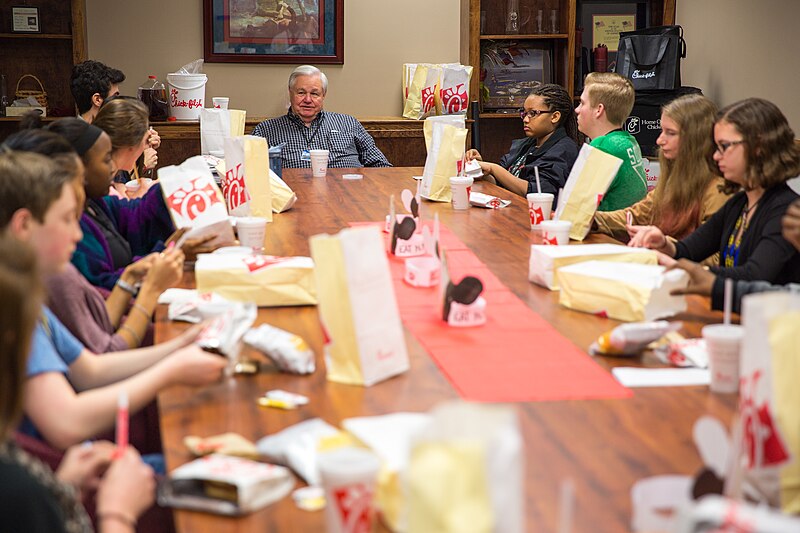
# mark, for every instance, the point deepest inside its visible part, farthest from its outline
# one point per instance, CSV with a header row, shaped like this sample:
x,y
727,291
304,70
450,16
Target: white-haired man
x,y
306,127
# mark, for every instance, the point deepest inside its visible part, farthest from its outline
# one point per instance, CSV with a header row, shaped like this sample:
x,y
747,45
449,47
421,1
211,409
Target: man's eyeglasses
x,y
722,146
531,113
314,95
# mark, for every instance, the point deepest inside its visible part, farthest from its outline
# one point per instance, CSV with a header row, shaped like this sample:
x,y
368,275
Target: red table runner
x,y
516,356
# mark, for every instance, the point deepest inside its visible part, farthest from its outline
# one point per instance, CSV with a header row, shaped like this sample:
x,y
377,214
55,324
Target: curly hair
x,y
556,98
90,78
772,155
22,295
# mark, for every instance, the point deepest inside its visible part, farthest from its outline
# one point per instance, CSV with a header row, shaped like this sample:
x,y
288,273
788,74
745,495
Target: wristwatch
x,y
127,287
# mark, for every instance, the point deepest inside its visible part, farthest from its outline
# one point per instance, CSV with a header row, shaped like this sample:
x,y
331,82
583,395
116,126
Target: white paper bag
x,y
194,200
453,94
246,182
623,291
768,408
445,140
546,260
216,125
588,181
358,307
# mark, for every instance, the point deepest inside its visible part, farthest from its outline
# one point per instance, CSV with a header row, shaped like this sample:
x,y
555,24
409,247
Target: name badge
x,y
305,156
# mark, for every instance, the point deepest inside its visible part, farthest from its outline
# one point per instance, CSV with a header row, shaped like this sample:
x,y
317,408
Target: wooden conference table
x,y
604,446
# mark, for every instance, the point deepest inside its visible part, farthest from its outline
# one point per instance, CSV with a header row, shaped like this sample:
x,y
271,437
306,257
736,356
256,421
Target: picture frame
x,y
293,31
25,19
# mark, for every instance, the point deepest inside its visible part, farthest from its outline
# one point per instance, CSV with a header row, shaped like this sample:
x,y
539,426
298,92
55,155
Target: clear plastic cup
x,y
460,186
723,344
319,163
220,102
252,231
349,476
555,231
539,206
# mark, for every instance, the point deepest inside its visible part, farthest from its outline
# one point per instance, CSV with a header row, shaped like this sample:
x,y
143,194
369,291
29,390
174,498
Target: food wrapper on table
x,y
466,471
296,447
445,140
624,291
546,260
225,485
223,334
479,199
197,310
226,444
268,281
358,308
246,184
588,181
288,351
195,202
769,399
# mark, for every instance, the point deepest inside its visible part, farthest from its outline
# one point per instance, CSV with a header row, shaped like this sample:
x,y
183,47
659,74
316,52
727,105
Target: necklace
x,y
730,256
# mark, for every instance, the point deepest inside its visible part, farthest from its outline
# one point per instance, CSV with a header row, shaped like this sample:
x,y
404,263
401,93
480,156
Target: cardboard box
x,y
12,111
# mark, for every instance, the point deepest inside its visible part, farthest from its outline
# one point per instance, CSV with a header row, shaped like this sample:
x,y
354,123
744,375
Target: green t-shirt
x,y
630,184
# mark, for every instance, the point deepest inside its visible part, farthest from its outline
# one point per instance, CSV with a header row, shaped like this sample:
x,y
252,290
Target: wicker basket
x,y
40,95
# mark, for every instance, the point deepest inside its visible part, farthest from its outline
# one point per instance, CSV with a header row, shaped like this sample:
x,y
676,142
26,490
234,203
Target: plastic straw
x,y
462,172
728,301
566,506
122,424
538,184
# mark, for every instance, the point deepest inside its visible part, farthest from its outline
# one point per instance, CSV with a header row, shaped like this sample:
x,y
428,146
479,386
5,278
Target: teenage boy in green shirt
x,y
606,102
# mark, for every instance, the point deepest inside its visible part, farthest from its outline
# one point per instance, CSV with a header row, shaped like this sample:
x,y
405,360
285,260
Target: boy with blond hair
x,y
606,102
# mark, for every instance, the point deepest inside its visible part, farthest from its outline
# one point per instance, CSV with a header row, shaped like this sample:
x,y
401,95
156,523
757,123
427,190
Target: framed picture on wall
x,y
274,31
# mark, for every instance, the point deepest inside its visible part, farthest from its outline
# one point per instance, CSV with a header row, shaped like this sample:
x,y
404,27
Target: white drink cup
x,y
220,102
723,344
539,206
252,231
461,186
349,476
319,163
555,231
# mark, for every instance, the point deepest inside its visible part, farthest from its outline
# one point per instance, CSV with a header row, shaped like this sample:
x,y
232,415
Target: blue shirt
x,y
53,349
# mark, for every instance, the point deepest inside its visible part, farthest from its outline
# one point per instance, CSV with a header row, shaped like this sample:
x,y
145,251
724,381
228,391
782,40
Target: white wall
x,y
143,37
742,48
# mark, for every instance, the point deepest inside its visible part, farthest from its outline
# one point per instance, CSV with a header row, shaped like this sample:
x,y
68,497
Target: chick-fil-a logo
x,y
193,199
454,99
353,504
762,444
233,188
427,99
536,213
257,262
192,103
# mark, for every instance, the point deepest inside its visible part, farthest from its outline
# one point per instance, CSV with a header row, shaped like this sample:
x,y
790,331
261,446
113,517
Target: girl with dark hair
x,y
756,152
551,144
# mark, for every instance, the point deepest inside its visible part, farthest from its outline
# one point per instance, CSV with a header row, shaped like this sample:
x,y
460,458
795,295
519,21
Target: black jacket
x,y
554,159
763,253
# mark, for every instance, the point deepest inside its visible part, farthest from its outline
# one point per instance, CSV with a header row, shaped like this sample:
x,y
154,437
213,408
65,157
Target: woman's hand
x,y
194,367
646,237
166,270
701,280
127,489
471,154
198,245
154,140
84,464
150,158
135,272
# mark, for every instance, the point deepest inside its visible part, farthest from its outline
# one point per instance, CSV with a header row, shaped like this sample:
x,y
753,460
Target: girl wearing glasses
x,y
755,151
688,192
551,143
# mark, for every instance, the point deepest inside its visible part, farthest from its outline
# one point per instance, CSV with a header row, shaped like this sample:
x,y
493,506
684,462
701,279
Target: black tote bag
x,y
651,58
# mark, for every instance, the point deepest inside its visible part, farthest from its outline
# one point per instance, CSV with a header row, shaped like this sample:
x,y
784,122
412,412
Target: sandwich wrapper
x,y
623,291
225,485
296,447
546,260
479,199
268,281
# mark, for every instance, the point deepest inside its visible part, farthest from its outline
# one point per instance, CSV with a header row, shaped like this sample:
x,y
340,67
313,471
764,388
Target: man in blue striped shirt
x,y
307,127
